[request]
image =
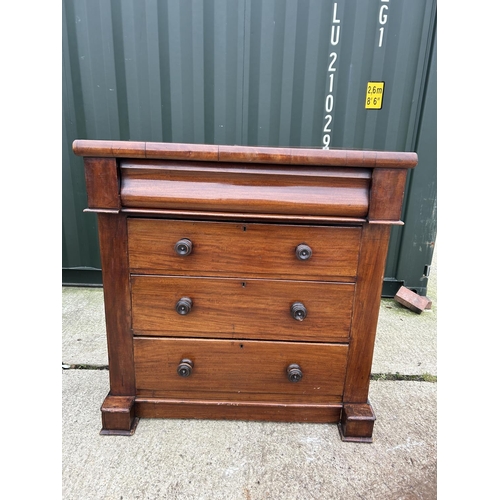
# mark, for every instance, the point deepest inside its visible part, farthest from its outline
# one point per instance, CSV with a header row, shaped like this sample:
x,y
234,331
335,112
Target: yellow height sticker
x,y
374,95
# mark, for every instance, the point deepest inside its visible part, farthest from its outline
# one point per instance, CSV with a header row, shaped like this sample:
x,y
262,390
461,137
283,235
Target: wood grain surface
x,y
243,250
387,194
252,189
373,252
241,308
246,154
238,410
240,370
102,183
117,307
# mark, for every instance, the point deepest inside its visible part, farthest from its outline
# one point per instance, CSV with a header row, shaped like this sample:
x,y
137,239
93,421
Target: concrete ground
x,y
196,459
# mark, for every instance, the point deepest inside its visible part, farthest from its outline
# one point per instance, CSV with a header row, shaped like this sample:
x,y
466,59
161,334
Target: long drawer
x,y
247,188
239,370
236,308
241,249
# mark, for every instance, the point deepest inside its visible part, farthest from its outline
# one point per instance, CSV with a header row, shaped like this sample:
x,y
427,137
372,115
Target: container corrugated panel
x,y
249,72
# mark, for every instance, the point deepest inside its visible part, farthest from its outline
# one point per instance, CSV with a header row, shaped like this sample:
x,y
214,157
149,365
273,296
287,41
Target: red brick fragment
x,y
412,300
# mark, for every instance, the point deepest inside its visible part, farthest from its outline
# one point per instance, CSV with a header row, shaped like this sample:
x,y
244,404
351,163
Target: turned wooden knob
x,y
298,311
294,373
183,247
303,252
185,368
184,306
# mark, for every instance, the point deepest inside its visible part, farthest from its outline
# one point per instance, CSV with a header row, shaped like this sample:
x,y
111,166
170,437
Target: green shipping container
x,y
354,74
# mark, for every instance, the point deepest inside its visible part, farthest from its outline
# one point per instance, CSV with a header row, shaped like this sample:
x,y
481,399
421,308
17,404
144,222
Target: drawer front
x,y
235,308
245,188
240,370
238,249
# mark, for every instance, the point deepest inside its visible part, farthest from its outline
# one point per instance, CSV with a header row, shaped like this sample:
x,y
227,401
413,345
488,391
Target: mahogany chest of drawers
x,y
241,282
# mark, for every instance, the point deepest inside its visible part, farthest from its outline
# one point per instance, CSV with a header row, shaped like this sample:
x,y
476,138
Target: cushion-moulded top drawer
x,y
244,188
243,250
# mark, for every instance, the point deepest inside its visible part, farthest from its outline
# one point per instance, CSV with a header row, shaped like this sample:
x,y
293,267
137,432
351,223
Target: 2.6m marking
x,y
374,95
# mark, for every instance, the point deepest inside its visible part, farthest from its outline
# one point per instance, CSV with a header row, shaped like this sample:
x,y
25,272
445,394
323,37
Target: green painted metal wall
x,y
252,72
